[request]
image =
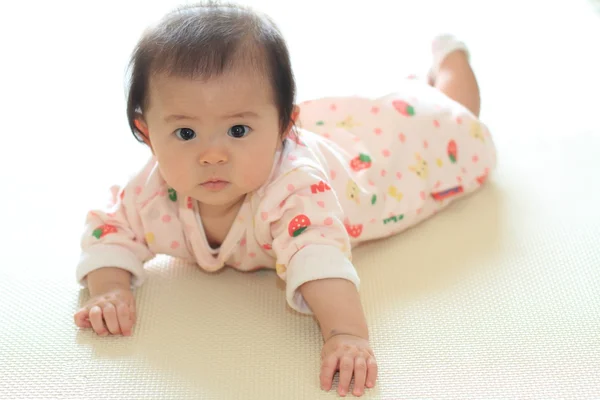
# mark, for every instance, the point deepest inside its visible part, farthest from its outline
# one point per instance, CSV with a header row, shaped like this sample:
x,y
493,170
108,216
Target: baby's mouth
x,y
215,184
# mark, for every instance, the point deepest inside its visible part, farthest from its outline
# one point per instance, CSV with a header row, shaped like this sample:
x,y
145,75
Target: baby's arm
x,y
312,248
336,305
114,250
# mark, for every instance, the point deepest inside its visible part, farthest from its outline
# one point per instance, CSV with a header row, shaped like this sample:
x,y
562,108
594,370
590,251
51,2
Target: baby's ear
x,y
142,129
293,119
295,113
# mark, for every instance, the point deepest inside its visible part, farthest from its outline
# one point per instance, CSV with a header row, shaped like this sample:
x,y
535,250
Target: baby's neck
x,y
218,220
220,211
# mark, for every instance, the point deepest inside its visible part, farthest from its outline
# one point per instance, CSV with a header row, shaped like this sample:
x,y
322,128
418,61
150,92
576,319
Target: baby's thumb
x,y
82,318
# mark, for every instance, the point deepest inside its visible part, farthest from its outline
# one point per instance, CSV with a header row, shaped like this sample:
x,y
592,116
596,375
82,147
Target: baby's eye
x,y
239,131
185,134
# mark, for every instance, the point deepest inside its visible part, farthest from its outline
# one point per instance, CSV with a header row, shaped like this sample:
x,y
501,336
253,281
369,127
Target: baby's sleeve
x,y
114,236
309,237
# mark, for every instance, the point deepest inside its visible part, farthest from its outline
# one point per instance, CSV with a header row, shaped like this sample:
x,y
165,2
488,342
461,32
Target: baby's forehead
x,y
232,90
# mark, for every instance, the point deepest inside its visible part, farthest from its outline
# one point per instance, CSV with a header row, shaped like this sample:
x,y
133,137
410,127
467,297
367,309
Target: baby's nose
x,y
213,157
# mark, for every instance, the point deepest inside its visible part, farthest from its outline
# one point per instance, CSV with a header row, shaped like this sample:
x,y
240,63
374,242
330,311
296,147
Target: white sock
x,y
441,47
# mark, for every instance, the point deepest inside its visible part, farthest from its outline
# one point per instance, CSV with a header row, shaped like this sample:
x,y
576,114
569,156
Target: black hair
x,y
204,40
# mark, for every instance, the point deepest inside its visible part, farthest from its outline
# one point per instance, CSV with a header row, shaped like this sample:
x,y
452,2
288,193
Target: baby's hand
x,y
112,311
351,355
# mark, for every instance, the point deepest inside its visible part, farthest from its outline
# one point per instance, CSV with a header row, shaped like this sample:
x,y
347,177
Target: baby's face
x,y
214,140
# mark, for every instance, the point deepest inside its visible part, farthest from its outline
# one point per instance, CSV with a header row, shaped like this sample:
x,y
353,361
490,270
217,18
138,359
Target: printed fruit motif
x,y
363,161
404,108
452,151
298,225
320,123
374,199
104,230
267,247
353,230
172,194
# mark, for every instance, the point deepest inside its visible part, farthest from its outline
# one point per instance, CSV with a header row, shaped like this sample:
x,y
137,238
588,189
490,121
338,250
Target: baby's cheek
x,y
255,162
173,173
254,174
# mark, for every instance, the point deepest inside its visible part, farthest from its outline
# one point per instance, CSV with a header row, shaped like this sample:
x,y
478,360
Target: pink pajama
x,y
359,169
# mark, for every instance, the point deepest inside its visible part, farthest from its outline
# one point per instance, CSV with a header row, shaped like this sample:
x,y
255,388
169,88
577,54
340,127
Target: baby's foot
x,y
441,47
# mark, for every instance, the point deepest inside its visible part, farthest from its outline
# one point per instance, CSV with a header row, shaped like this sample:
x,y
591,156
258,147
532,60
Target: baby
x,y
240,176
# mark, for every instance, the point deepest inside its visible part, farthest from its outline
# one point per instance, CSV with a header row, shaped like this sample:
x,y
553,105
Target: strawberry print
x,y
374,199
267,247
363,161
353,230
104,230
452,151
298,225
404,108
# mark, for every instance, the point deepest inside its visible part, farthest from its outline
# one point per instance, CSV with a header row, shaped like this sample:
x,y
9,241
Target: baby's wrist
x,y
106,287
335,332
104,280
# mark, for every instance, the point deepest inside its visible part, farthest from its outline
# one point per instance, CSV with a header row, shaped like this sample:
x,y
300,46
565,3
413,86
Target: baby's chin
x,y
223,198
229,196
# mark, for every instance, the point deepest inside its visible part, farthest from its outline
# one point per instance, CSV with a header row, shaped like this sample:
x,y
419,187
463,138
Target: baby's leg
x,y
452,73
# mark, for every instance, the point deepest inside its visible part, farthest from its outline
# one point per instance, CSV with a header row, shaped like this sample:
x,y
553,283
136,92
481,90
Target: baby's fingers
x,y
346,370
81,318
328,369
125,318
371,372
133,313
360,374
97,321
110,318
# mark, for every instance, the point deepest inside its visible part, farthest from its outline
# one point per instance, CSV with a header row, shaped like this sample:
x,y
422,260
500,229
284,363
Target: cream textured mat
x,y
498,297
